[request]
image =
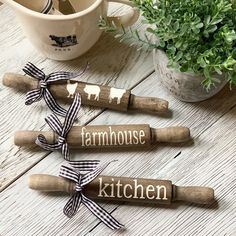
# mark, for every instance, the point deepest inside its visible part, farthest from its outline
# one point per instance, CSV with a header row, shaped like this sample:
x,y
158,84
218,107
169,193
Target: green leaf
x,y
184,68
188,56
168,20
176,26
184,29
178,44
211,28
216,21
202,62
207,84
207,20
206,72
162,43
171,50
218,71
199,25
178,56
184,45
229,63
231,36
196,30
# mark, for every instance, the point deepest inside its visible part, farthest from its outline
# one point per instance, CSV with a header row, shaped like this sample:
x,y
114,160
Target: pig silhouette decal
x,y
61,41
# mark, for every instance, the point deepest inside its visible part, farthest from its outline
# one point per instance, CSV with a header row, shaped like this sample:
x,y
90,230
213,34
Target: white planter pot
x,y
184,86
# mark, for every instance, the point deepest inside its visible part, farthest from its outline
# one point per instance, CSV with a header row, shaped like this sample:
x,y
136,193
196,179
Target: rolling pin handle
x,y
50,183
148,104
26,138
20,82
177,134
194,194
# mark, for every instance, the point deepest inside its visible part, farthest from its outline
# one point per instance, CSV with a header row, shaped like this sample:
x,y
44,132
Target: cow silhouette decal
x,y
61,41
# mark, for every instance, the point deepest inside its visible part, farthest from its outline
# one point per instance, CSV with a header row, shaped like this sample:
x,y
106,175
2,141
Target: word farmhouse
x,y
112,137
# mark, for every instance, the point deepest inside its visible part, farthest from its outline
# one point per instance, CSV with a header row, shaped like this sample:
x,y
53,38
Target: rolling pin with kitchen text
x,y
107,136
91,94
126,189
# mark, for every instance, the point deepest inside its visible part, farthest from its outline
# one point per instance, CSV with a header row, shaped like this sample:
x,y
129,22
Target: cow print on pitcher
x,y
61,41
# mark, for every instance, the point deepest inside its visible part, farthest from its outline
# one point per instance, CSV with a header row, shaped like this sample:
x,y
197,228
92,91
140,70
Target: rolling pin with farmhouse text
x,y
91,94
126,189
105,136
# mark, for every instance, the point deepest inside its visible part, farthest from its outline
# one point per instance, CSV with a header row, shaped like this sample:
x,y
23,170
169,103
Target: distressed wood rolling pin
x,y
91,94
126,189
96,136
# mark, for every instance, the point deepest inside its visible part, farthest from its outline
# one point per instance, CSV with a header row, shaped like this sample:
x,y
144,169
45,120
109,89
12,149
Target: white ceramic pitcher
x,y
65,37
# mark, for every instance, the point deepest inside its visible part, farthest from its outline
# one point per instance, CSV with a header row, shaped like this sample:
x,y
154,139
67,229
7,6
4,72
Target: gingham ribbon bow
x,y
61,130
43,92
73,172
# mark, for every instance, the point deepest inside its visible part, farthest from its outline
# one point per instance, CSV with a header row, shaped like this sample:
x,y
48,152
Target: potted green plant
x,y
194,44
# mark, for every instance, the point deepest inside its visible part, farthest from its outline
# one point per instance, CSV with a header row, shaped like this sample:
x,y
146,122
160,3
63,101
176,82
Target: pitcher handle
x,y
127,19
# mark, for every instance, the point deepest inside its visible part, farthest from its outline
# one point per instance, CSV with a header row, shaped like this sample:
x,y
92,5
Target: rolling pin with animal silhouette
x,y
109,136
91,94
126,189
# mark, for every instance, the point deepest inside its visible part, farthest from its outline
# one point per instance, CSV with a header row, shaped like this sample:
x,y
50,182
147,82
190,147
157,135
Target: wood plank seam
x,y
100,222
23,173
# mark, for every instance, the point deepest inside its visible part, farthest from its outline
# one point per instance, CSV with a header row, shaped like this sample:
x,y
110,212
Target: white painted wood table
x,y
208,161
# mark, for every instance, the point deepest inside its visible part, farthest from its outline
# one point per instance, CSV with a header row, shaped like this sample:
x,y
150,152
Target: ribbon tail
x,y
54,123
60,76
72,205
72,113
101,213
75,76
65,151
33,96
33,71
42,142
68,173
89,177
53,105
84,165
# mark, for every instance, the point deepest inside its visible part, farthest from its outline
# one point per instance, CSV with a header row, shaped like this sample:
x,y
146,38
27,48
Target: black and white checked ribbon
x,y
73,172
43,92
61,130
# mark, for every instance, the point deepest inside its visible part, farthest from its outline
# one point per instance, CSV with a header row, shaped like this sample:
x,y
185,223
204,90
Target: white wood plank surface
x,y
208,162
211,162
111,63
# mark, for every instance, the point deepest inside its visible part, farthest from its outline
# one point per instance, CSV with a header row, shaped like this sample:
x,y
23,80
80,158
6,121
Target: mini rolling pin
x,y
91,94
97,136
126,189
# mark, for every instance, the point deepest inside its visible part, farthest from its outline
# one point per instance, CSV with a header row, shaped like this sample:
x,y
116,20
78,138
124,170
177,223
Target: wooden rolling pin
x,y
106,136
126,189
91,94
